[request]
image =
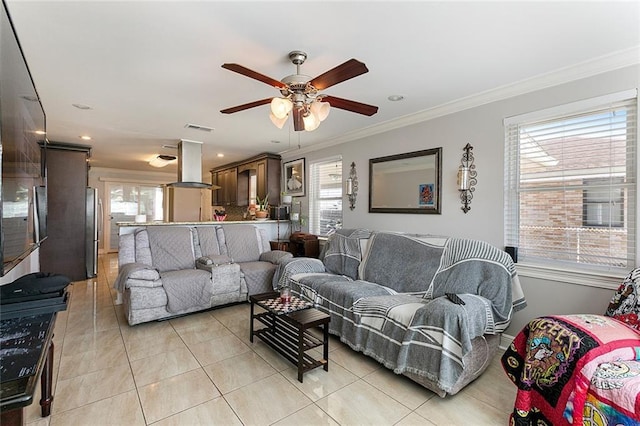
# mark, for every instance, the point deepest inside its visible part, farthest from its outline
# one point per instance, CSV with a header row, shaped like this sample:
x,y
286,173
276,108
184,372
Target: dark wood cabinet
x,y
64,250
227,195
236,179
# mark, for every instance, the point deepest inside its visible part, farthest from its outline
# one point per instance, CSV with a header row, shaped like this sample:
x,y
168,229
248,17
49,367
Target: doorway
x,y
126,201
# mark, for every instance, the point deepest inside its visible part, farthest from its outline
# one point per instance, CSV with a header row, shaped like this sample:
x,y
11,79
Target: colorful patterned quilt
x,y
575,370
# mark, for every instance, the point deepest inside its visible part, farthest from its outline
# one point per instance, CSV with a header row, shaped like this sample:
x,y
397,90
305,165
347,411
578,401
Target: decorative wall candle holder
x,y
467,178
352,186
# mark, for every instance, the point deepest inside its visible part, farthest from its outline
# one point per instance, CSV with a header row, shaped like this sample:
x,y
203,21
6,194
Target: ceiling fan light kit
x,y
278,122
281,107
300,97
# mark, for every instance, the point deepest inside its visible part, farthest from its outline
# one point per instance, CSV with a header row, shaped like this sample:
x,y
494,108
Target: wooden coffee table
x,y
287,329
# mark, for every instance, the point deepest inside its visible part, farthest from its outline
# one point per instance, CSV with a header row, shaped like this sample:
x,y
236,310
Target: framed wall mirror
x,y
406,183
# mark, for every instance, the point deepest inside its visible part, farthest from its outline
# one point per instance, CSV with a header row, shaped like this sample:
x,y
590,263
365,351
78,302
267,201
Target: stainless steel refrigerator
x,y
93,225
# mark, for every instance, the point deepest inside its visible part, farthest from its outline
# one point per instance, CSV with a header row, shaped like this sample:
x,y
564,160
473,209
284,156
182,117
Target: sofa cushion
x,y
187,288
404,263
258,276
313,280
343,252
171,248
243,242
208,239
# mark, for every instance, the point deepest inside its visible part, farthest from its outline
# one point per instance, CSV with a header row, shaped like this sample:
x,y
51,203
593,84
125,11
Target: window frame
x,y
573,272
315,198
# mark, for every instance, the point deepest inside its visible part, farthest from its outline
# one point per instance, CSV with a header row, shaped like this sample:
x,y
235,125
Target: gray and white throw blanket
x,y
343,251
416,329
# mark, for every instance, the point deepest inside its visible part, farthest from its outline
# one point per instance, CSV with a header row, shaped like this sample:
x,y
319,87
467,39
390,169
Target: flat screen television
x,y
22,128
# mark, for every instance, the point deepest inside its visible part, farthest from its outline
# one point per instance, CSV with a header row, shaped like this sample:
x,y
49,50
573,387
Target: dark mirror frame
x,y
431,208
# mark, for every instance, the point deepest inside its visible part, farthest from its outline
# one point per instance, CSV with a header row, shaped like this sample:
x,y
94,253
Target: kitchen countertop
x,y
225,222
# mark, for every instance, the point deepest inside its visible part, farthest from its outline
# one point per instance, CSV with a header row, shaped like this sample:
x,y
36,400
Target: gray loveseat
x,y
385,293
166,271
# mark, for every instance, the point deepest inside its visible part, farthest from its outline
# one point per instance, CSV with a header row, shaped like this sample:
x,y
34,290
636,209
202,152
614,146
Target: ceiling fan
x,y
301,95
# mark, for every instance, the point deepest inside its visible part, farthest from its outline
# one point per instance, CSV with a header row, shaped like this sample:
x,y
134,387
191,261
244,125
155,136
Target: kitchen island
x,y
276,229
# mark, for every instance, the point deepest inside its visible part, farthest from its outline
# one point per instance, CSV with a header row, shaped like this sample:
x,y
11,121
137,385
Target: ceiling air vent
x,y
198,127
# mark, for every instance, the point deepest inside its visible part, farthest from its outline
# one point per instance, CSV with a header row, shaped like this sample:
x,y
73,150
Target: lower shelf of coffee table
x,y
283,337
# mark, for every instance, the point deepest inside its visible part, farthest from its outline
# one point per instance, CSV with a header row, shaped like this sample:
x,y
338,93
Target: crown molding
x,y
602,64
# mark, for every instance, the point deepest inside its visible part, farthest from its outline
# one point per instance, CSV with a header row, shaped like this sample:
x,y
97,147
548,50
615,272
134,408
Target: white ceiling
x,y
148,68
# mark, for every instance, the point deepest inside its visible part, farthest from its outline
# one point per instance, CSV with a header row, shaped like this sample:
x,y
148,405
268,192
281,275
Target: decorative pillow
x,y
625,304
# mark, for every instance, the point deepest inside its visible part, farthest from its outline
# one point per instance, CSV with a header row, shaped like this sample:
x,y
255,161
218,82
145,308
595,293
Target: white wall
x,y
482,127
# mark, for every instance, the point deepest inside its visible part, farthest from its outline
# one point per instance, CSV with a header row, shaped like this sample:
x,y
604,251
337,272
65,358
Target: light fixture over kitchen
x,y
162,160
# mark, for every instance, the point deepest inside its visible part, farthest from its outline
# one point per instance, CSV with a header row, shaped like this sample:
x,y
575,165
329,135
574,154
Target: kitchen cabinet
x,y
227,179
260,174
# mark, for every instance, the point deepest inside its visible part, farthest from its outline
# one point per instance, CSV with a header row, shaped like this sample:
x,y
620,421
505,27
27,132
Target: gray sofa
x,y
166,271
385,293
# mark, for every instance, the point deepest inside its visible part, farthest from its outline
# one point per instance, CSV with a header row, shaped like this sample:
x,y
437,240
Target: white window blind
x,y
571,185
325,196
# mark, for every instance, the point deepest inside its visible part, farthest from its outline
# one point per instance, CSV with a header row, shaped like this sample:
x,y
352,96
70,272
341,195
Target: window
x,y
603,203
325,196
570,184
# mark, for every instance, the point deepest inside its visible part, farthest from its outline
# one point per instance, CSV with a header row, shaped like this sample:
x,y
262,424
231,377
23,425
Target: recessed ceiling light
x,y
85,137
220,155
81,106
40,132
395,98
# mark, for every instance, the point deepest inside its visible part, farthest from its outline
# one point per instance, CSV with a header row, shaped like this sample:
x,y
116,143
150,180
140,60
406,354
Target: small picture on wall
x,y
426,195
294,181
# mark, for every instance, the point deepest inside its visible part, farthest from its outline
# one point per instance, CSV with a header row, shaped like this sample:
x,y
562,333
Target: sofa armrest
x,y
226,278
132,282
134,271
213,260
146,274
295,265
275,256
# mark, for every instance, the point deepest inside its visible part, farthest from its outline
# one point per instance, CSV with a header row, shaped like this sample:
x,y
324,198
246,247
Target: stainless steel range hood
x,y
190,166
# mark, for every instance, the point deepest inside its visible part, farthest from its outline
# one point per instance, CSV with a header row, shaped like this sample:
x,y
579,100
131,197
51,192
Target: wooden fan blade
x,y
352,106
255,75
246,106
351,68
298,123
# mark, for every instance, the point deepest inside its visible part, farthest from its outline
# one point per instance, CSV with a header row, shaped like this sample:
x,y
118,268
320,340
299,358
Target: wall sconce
x,y
352,186
467,178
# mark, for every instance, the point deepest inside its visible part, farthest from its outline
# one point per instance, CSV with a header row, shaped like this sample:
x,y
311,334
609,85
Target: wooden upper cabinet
x,y
236,188
227,195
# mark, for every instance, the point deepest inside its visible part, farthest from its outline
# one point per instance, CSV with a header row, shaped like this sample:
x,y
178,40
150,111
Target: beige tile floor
x,y
202,369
